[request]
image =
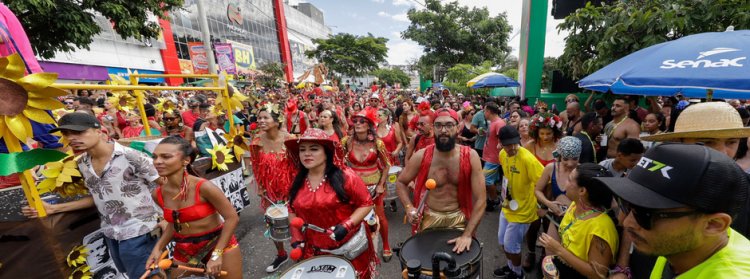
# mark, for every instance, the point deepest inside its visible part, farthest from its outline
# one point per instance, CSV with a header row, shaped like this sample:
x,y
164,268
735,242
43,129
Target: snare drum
x,y
321,267
277,219
423,245
391,183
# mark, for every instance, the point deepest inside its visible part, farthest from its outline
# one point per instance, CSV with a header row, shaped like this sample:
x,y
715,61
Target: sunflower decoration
x,y
77,256
235,101
63,178
82,272
166,105
220,157
123,100
25,98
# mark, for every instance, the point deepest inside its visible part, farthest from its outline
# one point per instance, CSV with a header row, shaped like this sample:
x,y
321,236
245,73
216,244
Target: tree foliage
x,y
392,76
457,76
65,25
271,75
599,35
452,34
550,65
350,55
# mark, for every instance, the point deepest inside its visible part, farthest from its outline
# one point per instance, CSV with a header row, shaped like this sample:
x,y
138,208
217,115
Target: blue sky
x,y
386,18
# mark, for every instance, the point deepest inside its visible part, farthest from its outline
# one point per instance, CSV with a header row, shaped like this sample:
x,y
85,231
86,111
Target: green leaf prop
x,y
21,161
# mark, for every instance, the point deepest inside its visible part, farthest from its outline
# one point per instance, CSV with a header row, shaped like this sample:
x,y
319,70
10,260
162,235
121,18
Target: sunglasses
x,y
169,118
68,103
646,217
176,218
360,121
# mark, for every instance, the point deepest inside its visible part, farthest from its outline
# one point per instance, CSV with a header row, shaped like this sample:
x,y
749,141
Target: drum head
x,y
277,211
321,267
394,170
422,245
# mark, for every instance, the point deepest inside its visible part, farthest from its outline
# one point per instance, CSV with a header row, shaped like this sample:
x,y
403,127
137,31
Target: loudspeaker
x,y
563,8
563,84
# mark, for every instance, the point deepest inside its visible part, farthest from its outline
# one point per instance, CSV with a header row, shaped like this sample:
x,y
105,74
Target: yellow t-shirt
x,y
732,261
522,171
577,237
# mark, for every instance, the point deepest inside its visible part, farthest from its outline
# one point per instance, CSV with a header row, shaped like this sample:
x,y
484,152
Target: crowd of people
x,y
606,187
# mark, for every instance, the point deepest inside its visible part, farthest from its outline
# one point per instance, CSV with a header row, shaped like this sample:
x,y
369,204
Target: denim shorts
x,y
510,235
491,174
130,255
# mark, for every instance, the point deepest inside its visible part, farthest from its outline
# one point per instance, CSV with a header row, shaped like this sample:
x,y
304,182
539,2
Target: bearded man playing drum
x,y
459,199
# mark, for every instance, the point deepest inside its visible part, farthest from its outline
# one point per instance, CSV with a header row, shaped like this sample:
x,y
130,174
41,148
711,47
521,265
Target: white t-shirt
x,y
608,164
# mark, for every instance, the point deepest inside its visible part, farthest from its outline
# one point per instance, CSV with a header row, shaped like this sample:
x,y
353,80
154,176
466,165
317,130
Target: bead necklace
x,y
309,185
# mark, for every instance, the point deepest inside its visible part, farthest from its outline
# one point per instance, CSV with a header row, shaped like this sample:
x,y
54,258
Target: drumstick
x,y
299,223
154,265
167,264
430,185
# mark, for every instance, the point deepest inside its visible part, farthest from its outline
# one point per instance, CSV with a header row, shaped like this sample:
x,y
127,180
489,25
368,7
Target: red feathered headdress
x,y
369,113
424,106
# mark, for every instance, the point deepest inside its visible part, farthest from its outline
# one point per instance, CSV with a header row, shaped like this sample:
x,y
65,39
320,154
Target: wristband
x,y
623,270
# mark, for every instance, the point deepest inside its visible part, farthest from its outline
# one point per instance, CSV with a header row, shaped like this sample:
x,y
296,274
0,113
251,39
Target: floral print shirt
x,y
122,194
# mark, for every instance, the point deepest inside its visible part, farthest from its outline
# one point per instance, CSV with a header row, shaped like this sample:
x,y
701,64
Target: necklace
x,y
309,185
578,218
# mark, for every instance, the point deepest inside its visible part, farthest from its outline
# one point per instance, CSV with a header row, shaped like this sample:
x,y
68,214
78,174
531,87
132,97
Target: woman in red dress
x,y
330,123
390,133
367,156
328,194
273,172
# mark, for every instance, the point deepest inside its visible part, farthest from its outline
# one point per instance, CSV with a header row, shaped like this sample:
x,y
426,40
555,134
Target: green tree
x,y
599,35
350,55
452,34
65,25
271,74
392,76
511,73
550,65
457,76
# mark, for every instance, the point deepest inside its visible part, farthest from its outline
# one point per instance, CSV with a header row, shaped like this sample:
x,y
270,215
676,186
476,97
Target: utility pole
x,y
203,21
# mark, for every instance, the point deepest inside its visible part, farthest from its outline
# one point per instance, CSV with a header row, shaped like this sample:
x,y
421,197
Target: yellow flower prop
x,y
25,98
82,272
220,157
122,101
63,178
235,101
166,105
77,256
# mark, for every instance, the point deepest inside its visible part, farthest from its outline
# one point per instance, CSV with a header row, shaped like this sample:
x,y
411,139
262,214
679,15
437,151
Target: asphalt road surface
x,y
258,252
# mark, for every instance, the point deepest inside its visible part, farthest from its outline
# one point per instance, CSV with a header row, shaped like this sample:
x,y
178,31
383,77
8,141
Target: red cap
x,y
446,112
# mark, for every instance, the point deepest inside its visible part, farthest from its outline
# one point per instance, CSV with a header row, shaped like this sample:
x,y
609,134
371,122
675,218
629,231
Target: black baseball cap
x,y
509,135
77,121
673,175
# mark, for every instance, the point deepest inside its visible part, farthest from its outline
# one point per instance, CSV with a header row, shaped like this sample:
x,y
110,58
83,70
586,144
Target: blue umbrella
x,y
492,80
694,65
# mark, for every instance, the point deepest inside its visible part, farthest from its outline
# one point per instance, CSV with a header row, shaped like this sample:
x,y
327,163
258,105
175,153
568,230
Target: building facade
x,y
249,27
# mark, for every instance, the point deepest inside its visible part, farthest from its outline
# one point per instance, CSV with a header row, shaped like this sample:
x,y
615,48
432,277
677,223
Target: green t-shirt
x,y
732,261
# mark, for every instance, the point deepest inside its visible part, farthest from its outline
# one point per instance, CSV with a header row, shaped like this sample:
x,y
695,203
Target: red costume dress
x,y
390,144
465,202
273,172
324,209
194,248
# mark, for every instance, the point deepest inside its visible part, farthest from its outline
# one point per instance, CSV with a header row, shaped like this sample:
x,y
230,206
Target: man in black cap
x,y
120,180
521,170
679,202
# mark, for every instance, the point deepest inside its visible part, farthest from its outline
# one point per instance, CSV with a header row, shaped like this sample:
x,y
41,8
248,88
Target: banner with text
x,y
199,58
244,57
225,58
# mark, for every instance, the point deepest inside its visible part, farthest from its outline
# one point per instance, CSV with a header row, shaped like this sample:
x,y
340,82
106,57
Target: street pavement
x,y
258,252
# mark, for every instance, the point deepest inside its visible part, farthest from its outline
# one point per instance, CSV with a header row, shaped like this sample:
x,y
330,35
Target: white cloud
x,y
383,14
378,1
401,51
396,35
401,18
403,3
